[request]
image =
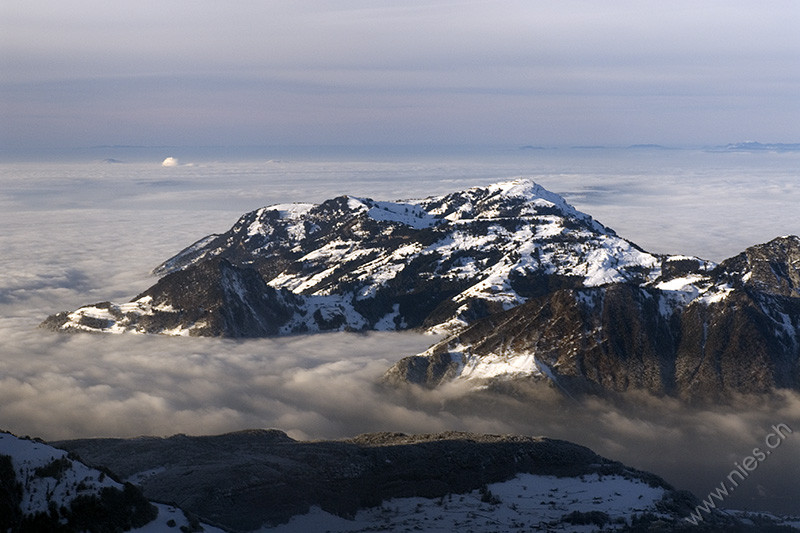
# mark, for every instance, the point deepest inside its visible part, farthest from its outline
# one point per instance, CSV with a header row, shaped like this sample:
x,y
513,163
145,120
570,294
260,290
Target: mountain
x,y
43,488
525,286
704,335
395,482
754,146
358,264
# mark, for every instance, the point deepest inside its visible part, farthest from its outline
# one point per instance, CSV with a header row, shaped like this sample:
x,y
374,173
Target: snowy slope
x,y
51,489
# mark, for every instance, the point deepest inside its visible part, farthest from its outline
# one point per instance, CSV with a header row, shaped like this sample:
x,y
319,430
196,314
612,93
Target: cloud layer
x,y
80,233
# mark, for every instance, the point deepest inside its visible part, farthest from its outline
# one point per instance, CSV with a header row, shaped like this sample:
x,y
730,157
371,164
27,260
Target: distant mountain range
x,y
527,288
753,146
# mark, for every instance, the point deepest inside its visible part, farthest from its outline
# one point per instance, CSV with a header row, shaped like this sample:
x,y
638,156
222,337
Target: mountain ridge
x,y
43,488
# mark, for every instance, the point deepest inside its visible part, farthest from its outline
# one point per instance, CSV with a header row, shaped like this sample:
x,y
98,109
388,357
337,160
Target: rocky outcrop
x,y
772,268
212,298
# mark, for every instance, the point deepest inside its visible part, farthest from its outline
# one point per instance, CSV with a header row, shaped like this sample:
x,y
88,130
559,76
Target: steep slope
x,y
359,264
388,481
735,328
42,488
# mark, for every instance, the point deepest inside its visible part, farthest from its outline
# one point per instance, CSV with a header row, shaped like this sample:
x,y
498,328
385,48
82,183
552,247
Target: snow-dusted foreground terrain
x,y
43,488
46,489
263,480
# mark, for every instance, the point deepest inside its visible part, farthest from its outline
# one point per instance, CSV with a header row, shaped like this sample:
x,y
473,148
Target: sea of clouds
x,y
81,232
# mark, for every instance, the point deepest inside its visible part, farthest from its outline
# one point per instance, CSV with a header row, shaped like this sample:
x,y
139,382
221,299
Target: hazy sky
x,y
267,72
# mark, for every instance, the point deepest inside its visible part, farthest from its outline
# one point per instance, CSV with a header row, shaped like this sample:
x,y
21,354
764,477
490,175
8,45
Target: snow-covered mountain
x,y
43,488
263,480
526,286
359,264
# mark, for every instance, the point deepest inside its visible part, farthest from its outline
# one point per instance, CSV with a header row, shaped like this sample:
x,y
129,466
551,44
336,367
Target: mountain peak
x,y
531,287
528,189
515,198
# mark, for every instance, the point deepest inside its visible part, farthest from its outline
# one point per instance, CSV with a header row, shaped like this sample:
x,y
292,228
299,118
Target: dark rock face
x,y
244,480
772,268
218,299
748,343
591,339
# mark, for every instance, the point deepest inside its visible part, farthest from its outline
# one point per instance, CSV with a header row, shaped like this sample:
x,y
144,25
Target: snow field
x,y
524,502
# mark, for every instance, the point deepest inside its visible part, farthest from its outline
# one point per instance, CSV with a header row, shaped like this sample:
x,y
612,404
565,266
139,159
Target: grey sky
x,y
75,233
377,72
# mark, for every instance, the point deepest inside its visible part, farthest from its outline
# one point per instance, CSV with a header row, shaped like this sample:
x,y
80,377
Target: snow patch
x,y
402,213
292,211
715,295
500,365
678,292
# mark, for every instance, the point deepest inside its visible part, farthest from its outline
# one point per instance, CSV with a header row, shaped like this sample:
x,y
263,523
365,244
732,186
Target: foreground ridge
x,y
248,480
43,488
